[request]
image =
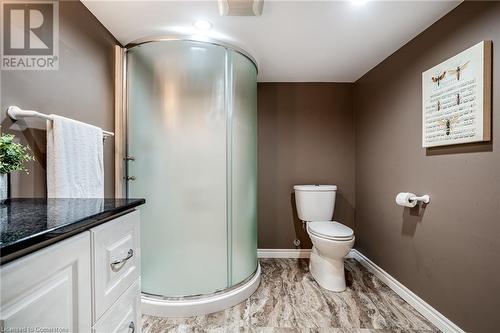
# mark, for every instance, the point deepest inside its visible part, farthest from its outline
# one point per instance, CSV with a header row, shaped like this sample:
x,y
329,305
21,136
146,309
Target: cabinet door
x,y
49,289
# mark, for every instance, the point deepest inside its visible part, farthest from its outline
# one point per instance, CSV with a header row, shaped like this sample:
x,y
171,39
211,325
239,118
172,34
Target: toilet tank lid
x,y
315,188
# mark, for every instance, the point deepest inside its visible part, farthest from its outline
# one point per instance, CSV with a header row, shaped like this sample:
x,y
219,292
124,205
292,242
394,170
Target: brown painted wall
x,y
448,253
306,136
82,89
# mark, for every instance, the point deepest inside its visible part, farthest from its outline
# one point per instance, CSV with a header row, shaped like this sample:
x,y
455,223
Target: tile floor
x,y
288,300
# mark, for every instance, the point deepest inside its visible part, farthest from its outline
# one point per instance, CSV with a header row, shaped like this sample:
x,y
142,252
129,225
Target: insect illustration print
x,y
438,105
448,123
458,99
458,70
437,79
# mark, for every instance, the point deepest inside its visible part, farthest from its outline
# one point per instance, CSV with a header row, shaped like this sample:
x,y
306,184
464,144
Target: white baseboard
x,y
283,253
287,253
434,316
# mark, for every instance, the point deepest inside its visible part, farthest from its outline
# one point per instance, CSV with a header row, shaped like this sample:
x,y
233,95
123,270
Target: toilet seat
x,y
330,230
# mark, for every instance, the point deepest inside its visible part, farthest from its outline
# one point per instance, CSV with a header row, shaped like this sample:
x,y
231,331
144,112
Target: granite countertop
x,y
27,225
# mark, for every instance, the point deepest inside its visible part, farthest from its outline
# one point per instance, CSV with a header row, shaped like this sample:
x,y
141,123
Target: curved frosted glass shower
x,y
192,132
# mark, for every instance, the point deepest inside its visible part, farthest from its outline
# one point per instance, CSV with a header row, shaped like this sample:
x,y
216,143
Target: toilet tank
x,y
315,202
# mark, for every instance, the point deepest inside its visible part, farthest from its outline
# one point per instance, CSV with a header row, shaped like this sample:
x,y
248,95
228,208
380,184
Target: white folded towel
x,y
75,167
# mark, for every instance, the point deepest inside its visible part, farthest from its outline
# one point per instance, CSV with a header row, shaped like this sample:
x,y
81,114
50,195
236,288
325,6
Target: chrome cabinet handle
x,y
115,263
132,327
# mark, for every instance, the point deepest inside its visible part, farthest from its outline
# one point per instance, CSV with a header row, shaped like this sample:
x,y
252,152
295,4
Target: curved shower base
x,y
200,305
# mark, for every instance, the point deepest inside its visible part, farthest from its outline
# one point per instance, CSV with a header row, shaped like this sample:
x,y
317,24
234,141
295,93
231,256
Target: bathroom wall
x,y
305,136
447,253
82,89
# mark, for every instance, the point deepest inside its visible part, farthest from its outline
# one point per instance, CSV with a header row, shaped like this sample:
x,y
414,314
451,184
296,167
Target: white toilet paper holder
x,y
424,198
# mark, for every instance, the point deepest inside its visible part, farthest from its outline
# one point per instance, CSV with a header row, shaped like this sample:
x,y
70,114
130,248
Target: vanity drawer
x,y
116,260
124,315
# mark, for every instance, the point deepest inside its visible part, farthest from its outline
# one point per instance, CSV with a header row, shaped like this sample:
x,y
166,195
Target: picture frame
x,y
456,98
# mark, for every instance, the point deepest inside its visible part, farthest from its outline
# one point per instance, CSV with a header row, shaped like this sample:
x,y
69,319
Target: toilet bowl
x,y
331,240
329,249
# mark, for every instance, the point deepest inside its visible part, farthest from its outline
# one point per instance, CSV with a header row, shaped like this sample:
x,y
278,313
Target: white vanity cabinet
x,y
89,282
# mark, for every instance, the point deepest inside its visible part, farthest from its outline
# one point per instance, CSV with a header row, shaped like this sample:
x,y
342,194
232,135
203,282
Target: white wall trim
x,y
287,253
426,310
283,253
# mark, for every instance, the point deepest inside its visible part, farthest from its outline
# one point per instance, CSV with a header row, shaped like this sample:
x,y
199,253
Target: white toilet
x,y
332,241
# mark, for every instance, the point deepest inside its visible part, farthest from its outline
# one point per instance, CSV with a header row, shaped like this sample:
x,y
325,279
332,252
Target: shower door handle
x,y
129,158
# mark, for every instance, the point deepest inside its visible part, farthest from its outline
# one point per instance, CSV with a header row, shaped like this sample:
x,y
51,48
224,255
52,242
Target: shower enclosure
x,y
192,153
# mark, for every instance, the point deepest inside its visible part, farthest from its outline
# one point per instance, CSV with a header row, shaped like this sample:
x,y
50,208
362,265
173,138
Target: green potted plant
x,y
13,157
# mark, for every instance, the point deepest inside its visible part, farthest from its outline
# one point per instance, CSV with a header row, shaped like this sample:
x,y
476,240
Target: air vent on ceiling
x,y
241,7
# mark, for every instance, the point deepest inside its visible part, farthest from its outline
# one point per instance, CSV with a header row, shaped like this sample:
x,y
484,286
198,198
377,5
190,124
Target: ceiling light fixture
x,y
202,25
359,2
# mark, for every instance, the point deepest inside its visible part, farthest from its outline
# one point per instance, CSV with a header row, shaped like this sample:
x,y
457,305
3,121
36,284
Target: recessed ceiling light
x,y
359,2
203,25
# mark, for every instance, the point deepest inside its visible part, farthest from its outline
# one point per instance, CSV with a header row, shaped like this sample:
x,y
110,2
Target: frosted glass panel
x,y
192,129
244,168
177,134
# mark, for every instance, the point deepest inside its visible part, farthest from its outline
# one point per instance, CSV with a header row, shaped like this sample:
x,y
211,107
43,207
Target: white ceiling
x,y
293,41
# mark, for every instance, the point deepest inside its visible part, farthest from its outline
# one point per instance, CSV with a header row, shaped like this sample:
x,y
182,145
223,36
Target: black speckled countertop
x,y
27,225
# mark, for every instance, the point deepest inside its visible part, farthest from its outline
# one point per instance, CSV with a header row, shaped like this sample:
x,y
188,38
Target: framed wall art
x,y
456,99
